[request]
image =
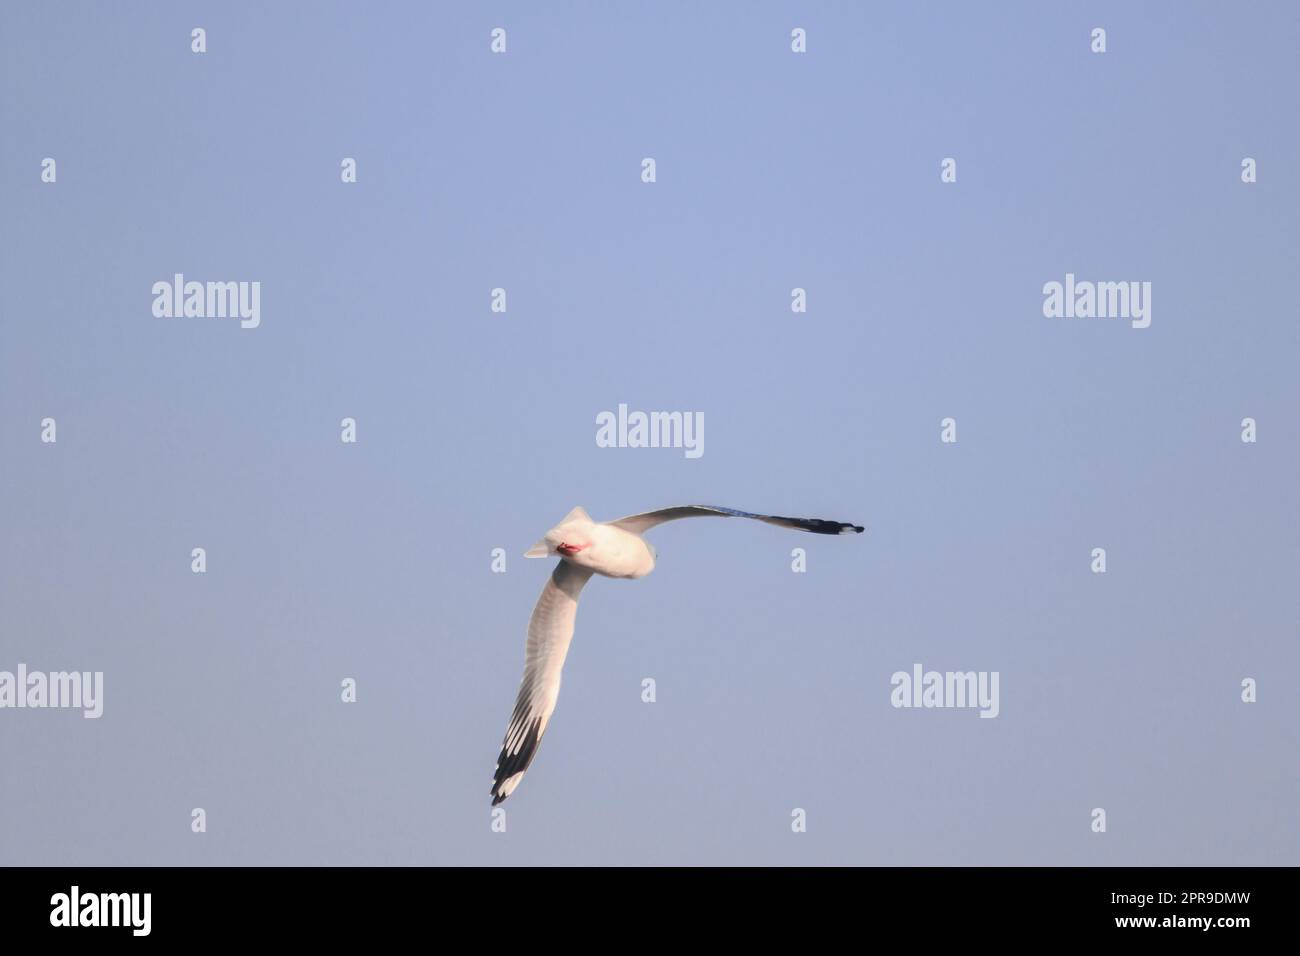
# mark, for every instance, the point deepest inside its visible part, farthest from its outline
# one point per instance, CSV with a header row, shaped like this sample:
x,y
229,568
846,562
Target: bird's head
x,y
572,538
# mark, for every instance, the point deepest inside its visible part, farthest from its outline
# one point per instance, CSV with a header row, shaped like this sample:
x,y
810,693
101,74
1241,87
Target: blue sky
x,y
476,430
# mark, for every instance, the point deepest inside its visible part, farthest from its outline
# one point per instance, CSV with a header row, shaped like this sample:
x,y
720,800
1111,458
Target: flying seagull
x,y
585,547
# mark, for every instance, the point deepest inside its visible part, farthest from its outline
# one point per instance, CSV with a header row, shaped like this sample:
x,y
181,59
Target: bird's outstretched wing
x,y
549,631
643,522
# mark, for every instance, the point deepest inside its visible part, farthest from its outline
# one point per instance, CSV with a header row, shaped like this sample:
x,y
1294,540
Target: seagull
x,y
614,549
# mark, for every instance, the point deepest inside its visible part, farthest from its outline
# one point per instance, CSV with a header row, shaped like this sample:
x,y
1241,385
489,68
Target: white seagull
x,y
616,550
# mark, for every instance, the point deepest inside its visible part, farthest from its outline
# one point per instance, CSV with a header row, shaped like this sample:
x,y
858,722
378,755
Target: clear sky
x,y
476,430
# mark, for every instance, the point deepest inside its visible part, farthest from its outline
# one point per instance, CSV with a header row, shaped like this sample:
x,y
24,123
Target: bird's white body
x,y
601,548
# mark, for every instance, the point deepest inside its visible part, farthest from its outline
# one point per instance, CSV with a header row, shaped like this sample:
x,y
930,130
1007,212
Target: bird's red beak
x,y
570,548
